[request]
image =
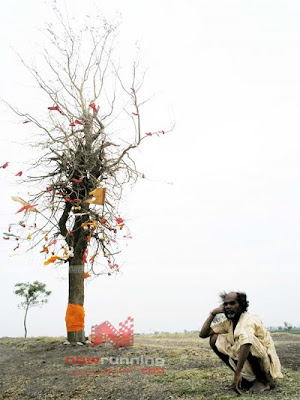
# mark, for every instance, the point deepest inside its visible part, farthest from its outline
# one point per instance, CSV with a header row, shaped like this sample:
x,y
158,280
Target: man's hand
x,y
237,383
218,310
243,354
206,330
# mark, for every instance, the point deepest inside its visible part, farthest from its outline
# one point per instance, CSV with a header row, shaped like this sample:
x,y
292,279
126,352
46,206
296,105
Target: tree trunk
x,y
76,293
79,237
25,321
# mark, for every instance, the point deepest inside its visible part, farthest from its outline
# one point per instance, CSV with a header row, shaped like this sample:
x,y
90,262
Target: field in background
x,y
35,368
292,331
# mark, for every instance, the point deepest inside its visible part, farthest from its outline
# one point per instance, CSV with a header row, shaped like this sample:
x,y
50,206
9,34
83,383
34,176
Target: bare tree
x,y
35,294
85,162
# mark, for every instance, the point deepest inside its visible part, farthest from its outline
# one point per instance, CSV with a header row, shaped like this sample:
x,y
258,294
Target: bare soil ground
x,y
35,368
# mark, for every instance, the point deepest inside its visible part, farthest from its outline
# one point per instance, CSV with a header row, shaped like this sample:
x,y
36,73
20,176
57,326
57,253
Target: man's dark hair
x,y
241,299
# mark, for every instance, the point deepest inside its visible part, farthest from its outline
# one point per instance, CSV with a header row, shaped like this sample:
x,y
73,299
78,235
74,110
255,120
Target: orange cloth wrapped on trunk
x,y
75,318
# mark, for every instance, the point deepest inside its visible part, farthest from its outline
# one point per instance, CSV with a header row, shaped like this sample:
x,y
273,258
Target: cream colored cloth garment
x,y
250,330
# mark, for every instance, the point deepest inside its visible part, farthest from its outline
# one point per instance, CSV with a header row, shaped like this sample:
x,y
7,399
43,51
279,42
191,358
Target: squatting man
x,y
243,343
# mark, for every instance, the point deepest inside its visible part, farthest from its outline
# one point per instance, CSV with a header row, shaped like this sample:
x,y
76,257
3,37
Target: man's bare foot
x,y
259,387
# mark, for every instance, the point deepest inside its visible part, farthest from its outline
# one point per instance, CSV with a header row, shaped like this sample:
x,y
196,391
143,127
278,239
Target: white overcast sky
x,y
227,72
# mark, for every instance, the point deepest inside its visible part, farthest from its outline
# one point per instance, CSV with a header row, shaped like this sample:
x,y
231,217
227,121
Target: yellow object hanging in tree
x,y
51,260
98,196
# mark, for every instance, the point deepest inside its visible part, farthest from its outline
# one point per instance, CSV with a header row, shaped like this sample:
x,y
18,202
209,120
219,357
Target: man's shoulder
x,y
249,318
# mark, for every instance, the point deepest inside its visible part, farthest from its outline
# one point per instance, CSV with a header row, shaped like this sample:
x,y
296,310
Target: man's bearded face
x,y
232,308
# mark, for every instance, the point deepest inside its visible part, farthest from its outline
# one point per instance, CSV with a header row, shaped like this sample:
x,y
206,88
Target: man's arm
x,y
206,330
243,355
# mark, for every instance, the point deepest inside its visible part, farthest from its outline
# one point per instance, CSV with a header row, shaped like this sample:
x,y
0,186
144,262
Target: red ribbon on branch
x,y
94,108
55,108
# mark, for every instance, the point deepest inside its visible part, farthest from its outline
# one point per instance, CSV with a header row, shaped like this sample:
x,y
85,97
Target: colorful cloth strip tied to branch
x,y
98,196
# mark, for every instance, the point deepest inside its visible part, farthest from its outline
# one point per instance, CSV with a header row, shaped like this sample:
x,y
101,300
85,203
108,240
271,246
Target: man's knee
x,y
212,340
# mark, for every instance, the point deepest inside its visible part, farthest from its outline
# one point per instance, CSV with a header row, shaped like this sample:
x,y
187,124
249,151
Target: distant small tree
x,y
35,294
287,326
